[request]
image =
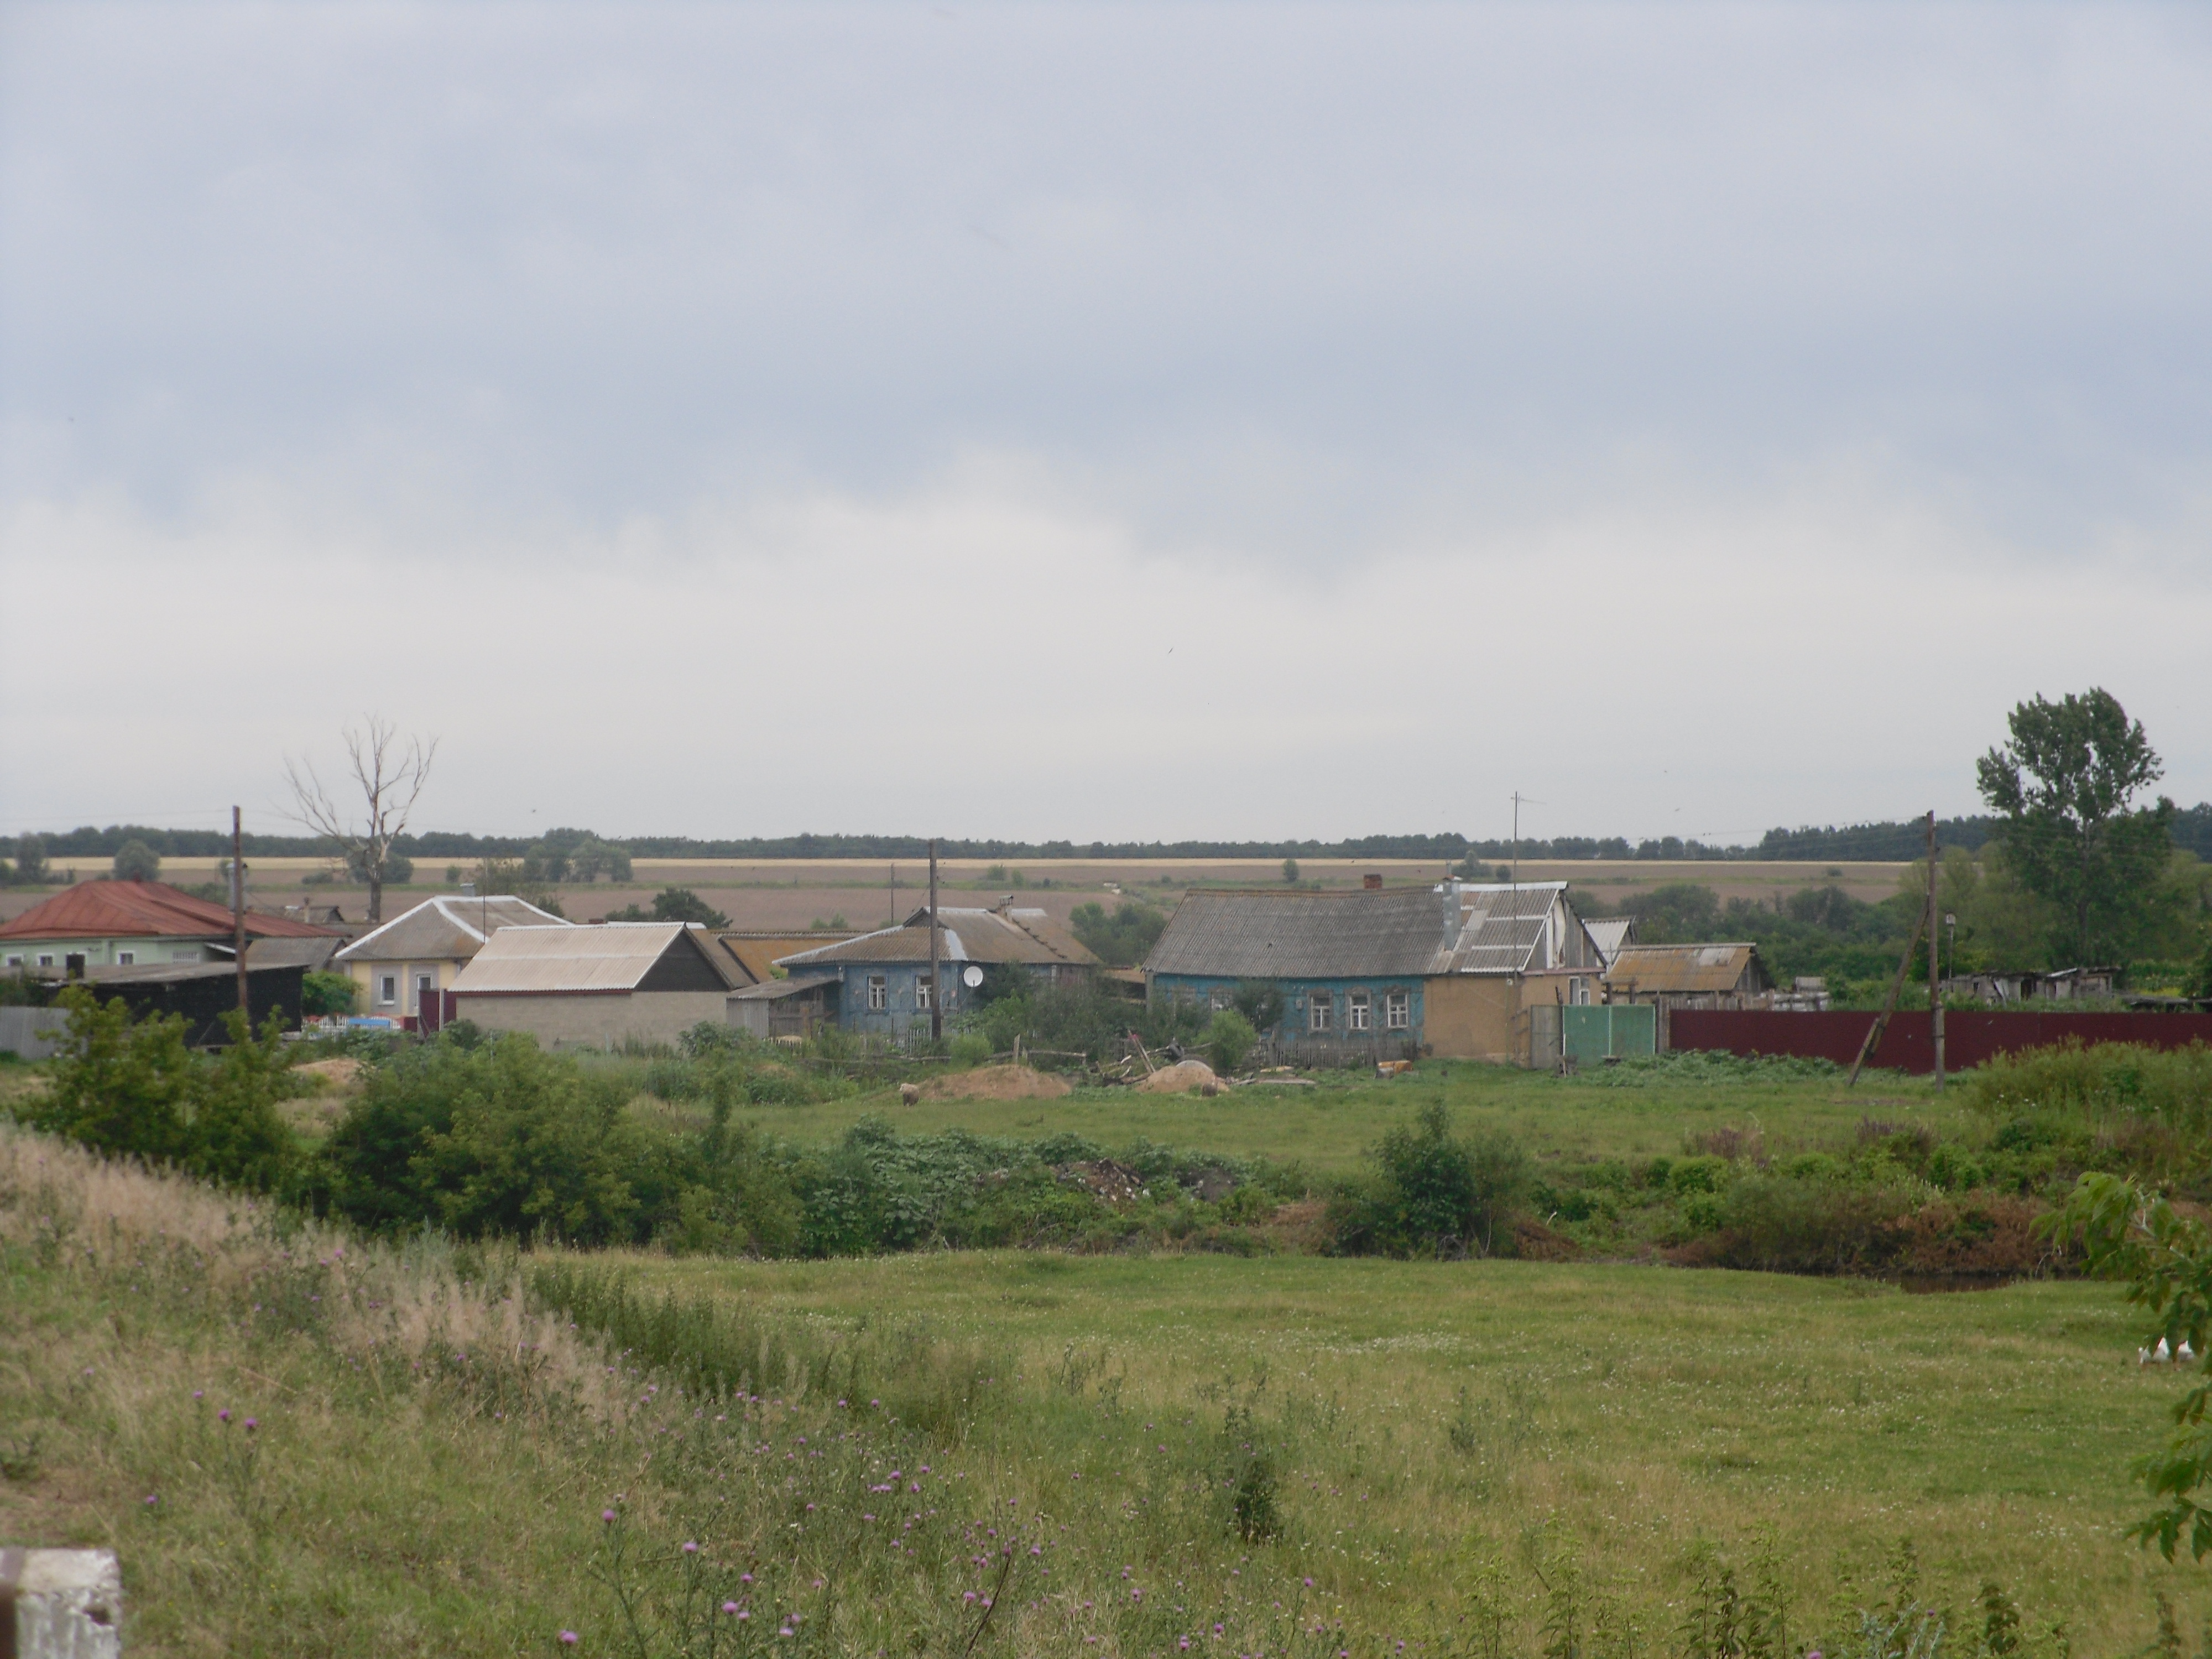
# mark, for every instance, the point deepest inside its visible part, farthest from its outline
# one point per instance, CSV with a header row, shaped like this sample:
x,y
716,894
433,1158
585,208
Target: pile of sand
x,y
996,1083
1182,1078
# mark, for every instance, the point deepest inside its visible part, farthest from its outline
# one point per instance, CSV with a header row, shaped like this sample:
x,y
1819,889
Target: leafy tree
x,y
1259,1001
1436,1193
594,858
31,859
674,904
398,868
326,994
511,879
390,779
1677,913
1290,871
1122,939
2064,785
136,862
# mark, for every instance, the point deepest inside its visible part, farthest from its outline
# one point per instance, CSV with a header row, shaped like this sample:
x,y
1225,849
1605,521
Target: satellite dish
x,y
971,976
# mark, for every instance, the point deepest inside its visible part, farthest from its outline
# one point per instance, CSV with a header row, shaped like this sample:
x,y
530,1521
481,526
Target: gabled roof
x,y
1684,968
1257,934
144,909
444,928
1610,934
1005,934
756,954
613,955
1457,928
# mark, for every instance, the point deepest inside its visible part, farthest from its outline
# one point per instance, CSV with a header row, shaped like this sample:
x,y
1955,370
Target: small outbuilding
x,y
595,987
1690,977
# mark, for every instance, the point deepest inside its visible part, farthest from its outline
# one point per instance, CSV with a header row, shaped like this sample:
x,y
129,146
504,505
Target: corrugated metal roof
x,y
964,935
1610,934
446,928
774,990
144,909
611,957
1684,968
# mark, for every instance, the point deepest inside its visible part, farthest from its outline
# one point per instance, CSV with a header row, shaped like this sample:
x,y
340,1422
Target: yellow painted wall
x,y
366,974
1472,1016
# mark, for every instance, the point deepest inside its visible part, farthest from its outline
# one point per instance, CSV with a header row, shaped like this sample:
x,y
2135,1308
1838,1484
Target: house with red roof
x,y
112,924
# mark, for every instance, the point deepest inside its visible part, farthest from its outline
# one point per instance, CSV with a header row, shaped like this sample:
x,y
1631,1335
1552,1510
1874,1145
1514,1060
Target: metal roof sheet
x,y
1685,968
611,957
447,927
773,990
964,935
144,909
1302,935
757,953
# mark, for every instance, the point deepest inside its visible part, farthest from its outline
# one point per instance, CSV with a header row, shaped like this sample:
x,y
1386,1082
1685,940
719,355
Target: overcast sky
x,y
1095,420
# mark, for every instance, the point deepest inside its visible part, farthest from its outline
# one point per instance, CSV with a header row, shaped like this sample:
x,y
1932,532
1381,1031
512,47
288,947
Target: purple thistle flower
x,y
569,1639
607,1516
729,1607
250,1425
690,1548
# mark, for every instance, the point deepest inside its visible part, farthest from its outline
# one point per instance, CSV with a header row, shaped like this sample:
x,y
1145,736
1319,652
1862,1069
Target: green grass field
x,y
1328,1126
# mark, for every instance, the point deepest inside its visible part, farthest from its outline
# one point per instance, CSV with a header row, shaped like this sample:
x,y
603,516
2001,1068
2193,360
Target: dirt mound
x,y
1182,1078
336,1073
996,1083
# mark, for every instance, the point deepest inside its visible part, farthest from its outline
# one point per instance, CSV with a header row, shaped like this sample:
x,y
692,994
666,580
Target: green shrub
x,y
2099,1081
1699,1175
326,994
970,1048
136,1090
1229,1039
1432,1193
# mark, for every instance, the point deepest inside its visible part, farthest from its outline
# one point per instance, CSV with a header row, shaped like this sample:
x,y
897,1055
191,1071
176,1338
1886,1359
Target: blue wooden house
x,y
879,982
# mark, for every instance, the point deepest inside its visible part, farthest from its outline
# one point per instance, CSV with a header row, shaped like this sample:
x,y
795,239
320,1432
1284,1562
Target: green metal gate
x,y
1589,1036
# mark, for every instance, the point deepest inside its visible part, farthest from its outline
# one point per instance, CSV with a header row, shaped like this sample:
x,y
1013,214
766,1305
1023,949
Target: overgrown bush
x,y
1432,1193
134,1089
2099,1083
1229,1039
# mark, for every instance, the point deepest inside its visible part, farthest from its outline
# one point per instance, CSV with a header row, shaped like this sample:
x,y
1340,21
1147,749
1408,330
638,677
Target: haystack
x,y
1182,1078
996,1083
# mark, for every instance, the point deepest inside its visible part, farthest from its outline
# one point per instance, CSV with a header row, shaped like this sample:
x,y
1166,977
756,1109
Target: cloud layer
x,y
1098,421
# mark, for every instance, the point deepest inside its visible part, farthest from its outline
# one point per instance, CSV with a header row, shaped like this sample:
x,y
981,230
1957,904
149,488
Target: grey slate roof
x,y
1264,935
447,927
1456,928
964,935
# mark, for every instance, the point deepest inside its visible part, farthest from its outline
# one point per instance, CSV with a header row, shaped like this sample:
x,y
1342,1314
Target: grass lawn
x,y
1638,1409
1328,1126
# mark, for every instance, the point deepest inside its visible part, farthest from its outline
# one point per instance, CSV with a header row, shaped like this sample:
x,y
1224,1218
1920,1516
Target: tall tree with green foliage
x,y
30,858
136,862
2064,785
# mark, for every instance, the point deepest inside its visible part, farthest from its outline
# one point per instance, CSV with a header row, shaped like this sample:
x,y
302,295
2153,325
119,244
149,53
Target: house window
x,y
1217,999
1320,1009
126,958
387,989
878,997
1579,992
15,961
1356,1013
184,956
922,989
47,961
1398,1010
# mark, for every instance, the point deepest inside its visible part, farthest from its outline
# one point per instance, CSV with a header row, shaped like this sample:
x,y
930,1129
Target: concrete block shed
x,y
596,986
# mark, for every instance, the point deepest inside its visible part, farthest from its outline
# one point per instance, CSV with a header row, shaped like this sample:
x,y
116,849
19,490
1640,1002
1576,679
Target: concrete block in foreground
x,y
60,1604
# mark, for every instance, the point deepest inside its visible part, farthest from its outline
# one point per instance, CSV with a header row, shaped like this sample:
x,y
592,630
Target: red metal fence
x,y
1968,1038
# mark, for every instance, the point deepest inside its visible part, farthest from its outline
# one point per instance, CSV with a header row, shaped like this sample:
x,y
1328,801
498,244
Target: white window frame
x,y
878,994
1359,1011
45,959
388,990
921,990
1320,1011
15,961
1397,1011
126,958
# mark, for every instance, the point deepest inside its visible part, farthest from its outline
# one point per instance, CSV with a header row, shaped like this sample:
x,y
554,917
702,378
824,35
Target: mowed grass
x,y
1330,1125
1420,1405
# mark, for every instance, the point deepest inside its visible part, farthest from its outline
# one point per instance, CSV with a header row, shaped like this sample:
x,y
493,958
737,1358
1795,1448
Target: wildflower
x,y
569,1639
1308,1583
744,1578
971,1597
196,1393
607,1516
729,1607
690,1548
1216,1630
224,1416
152,1498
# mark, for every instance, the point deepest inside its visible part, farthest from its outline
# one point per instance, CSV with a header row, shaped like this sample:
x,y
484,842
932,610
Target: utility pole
x,y
936,1002
1935,966
238,911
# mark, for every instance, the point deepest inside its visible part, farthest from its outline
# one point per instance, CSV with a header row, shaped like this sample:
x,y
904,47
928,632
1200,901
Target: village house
x,y
879,982
405,971
597,985
138,924
1449,970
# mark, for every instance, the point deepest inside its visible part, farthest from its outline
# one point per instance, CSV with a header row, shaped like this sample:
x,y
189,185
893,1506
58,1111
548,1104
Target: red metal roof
x,y
143,910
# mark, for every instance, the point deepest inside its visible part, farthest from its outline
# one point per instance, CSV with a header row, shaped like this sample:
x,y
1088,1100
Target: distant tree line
x,y
2191,829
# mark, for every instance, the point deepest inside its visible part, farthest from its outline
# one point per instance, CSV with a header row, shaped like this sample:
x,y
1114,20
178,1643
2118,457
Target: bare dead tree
x,y
389,776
